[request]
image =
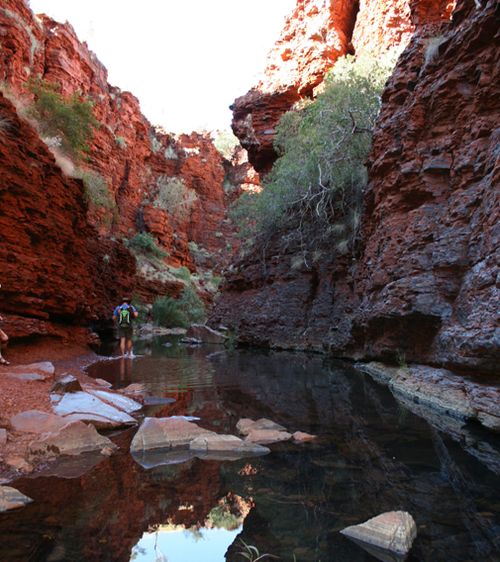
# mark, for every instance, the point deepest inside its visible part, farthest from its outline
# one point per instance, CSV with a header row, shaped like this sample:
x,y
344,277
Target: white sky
x,y
186,60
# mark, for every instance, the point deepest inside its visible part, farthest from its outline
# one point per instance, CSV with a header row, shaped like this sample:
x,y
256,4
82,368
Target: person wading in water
x,y
123,316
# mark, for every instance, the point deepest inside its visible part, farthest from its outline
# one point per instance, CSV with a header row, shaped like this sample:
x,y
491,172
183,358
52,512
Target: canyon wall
x,y
174,187
425,284
314,36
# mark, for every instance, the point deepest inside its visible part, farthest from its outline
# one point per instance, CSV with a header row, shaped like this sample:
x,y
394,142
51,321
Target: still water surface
x,y
372,455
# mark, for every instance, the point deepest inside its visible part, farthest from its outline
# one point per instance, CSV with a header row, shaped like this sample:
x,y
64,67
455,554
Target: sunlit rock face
x,y
423,286
315,35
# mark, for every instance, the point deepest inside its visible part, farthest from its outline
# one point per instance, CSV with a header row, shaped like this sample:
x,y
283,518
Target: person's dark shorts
x,y
125,332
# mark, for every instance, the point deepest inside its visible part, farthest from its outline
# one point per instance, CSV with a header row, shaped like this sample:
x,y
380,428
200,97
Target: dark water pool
x,y
373,455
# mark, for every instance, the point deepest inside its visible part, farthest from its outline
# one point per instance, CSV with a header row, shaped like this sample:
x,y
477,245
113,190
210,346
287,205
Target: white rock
x,y
10,498
116,400
393,531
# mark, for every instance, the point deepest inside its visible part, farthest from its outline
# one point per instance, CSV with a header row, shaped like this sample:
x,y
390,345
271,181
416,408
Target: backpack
x,y
124,318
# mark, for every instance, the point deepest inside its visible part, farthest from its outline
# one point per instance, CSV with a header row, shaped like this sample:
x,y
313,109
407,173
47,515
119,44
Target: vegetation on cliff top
x,y
314,192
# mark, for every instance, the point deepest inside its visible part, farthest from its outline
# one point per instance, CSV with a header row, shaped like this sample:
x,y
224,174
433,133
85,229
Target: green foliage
x,y
167,312
252,553
182,273
225,142
314,190
174,196
141,308
171,313
96,189
144,243
222,518
69,119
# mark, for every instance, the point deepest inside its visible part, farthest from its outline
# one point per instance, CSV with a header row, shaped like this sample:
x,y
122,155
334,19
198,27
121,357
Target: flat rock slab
x,y
34,421
87,407
205,334
72,439
224,443
393,532
246,425
33,372
10,498
267,436
165,433
116,400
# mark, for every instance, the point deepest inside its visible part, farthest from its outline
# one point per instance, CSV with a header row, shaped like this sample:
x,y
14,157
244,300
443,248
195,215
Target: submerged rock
x,y
246,425
221,443
72,439
205,334
392,532
10,498
302,437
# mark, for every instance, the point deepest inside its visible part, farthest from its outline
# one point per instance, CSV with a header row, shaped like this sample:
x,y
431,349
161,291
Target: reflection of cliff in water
x,y
374,455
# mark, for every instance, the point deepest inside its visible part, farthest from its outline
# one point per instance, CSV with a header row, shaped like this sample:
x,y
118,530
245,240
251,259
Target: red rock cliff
x,y
135,161
426,284
315,35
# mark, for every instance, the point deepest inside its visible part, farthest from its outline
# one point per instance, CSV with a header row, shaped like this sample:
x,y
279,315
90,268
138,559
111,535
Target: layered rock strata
x,y
424,286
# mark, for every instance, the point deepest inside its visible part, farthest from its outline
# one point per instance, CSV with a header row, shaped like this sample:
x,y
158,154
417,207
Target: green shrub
x,y
183,312
96,189
167,312
174,196
225,142
182,273
144,243
68,118
314,190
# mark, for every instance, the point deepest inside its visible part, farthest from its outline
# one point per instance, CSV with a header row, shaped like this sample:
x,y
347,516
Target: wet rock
x,y
72,439
10,498
34,421
86,407
266,436
3,436
102,382
191,341
246,425
159,433
158,401
135,389
66,383
33,372
392,532
205,334
232,443
302,437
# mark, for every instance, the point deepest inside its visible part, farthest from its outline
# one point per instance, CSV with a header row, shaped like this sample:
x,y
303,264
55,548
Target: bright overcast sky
x,y
186,60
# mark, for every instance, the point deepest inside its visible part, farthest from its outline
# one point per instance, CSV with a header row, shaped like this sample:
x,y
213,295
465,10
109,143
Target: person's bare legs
x,y
4,339
129,346
122,345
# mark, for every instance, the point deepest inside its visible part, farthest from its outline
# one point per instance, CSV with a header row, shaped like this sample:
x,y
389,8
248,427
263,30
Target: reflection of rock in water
x,y
372,456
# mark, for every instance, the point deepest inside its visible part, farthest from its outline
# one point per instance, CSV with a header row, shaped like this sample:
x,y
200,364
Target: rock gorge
x,y
424,286
62,257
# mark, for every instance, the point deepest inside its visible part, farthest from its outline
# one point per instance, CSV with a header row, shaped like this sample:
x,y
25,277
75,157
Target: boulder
x,y
266,436
34,421
10,498
166,433
66,383
390,533
33,372
87,407
72,439
205,334
231,443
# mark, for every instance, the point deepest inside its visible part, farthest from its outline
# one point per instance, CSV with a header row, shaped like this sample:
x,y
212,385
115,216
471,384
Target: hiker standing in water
x,y
4,338
123,316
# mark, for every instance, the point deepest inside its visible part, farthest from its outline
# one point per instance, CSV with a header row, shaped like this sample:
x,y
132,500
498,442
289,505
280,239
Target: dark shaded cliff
x,y
424,286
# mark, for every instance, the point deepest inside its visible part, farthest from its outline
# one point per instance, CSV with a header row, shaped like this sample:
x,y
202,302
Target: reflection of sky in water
x,y
181,545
